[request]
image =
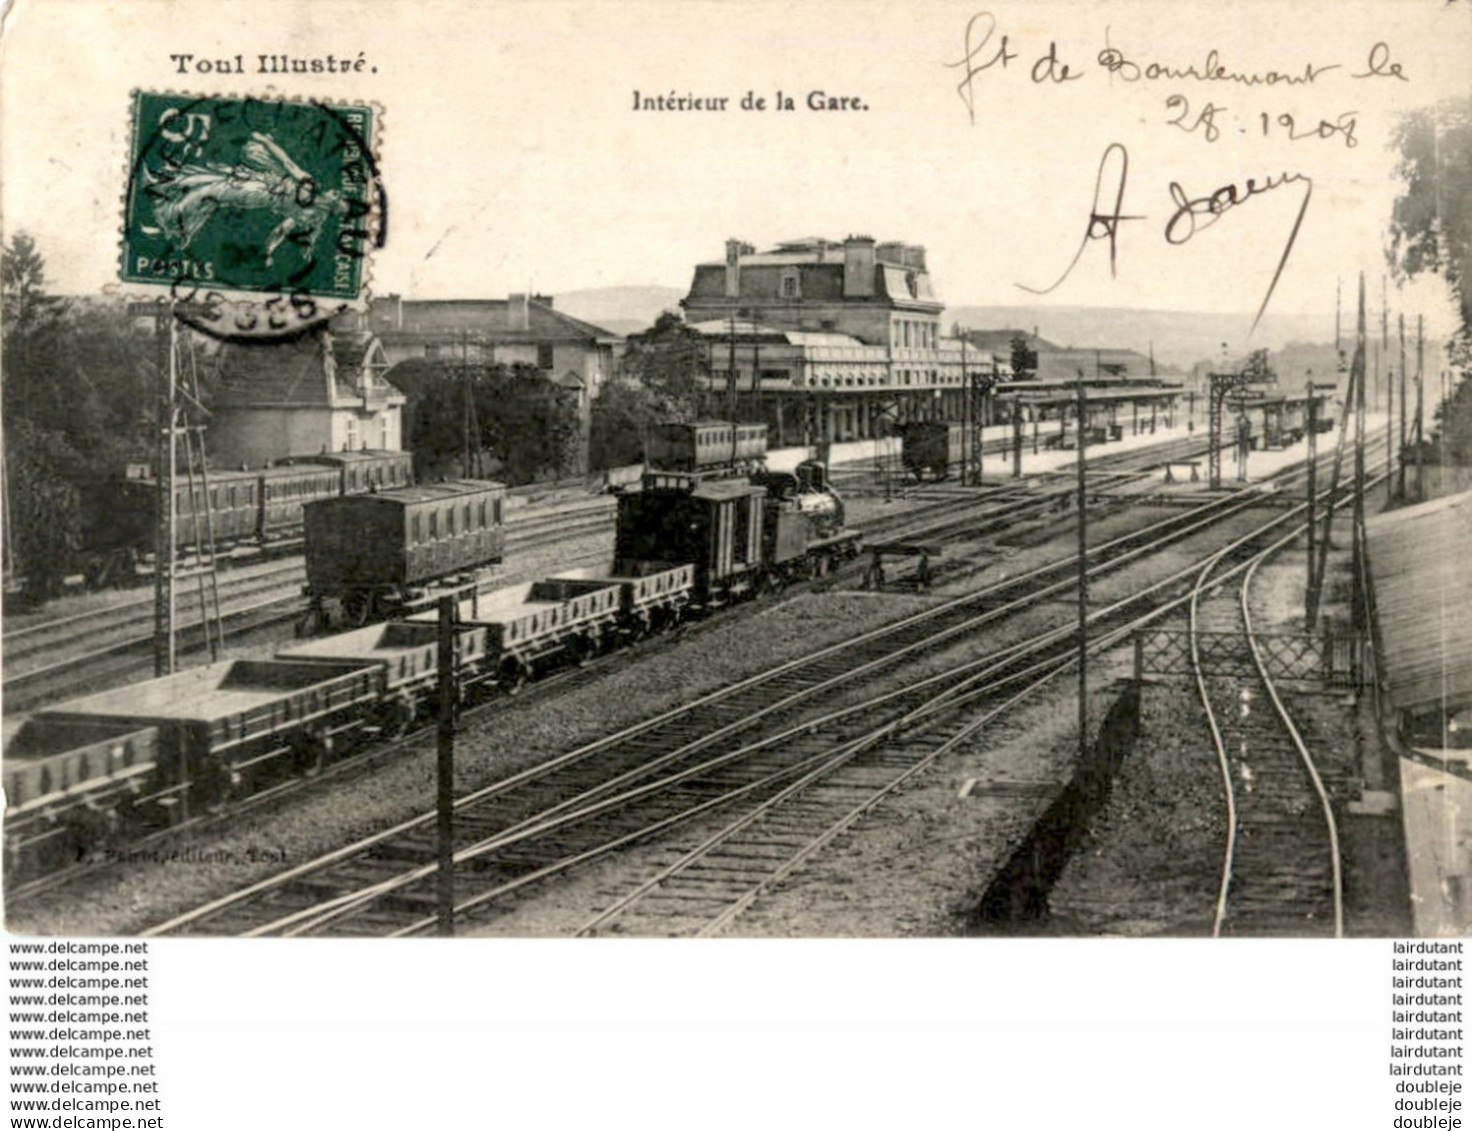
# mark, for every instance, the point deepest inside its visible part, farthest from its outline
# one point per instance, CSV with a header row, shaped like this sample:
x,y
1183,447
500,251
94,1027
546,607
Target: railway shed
x,y
1421,592
1423,606
1281,419
1147,404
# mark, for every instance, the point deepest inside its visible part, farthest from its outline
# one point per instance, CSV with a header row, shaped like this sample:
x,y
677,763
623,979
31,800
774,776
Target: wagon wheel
x,y
396,717
96,831
355,608
514,673
580,650
311,750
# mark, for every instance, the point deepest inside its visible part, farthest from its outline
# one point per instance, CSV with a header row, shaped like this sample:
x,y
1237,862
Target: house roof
x,y
313,371
818,281
299,372
482,319
1000,341
1065,363
1423,589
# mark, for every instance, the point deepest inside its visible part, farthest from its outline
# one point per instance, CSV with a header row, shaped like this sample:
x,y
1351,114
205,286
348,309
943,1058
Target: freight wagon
x,y
373,556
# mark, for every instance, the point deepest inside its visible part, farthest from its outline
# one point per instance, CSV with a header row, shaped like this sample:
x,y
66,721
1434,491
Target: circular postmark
x,y
253,217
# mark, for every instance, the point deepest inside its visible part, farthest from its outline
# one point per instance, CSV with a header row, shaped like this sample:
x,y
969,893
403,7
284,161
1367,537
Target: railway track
x,y
670,770
108,646
1281,866
709,885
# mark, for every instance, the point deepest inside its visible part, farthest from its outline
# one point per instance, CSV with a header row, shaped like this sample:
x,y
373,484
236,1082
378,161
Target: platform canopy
x,y
1421,569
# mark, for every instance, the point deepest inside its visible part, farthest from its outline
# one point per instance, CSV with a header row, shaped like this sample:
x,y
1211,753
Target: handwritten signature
x,y
1191,215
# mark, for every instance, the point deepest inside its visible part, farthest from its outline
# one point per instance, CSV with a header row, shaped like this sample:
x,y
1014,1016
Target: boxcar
x,y
373,554
287,489
365,470
707,446
931,448
714,525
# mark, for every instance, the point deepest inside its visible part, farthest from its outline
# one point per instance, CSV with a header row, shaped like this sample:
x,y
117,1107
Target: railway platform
x,y
867,455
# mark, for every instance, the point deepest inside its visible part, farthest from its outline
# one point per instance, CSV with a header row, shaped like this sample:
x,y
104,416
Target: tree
x,y
622,416
526,424
1431,229
1431,222
672,361
29,319
1024,360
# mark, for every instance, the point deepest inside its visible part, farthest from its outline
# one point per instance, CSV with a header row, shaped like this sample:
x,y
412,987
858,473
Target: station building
x,y
831,340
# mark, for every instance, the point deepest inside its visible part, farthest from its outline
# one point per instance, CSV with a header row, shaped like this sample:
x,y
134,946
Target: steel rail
x,y
1229,503
325,913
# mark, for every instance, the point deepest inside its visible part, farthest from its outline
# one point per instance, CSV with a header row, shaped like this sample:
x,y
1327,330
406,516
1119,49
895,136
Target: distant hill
x,y
624,310
1179,337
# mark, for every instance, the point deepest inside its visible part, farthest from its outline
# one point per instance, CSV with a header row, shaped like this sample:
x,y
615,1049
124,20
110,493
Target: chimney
x,y
915,257
891,252
858,267
518,313
387,312
733,268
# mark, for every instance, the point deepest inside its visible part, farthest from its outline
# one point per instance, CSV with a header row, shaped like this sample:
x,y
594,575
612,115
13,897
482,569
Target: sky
x,y
515,160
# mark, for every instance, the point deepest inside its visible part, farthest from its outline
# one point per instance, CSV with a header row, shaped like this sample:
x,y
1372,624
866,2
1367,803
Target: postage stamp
x,y
256,214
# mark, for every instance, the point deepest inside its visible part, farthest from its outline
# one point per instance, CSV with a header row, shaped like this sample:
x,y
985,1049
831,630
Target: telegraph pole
x,y
1311,416
731,387
1083,586
445,772
1389,391
1338,287
1401,470
165,627
1355,388
968,411
1357,531
1420,378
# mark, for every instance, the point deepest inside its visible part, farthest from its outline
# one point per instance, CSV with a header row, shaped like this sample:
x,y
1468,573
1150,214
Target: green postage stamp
x,y
277,198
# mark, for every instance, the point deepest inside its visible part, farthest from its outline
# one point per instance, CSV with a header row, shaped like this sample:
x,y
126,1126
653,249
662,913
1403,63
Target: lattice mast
x,y
1354,395
173,426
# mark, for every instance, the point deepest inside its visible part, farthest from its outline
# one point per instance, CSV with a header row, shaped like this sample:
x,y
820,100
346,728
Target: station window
x,y
450,521
467,518
434,524
482,514
498,512
414,530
